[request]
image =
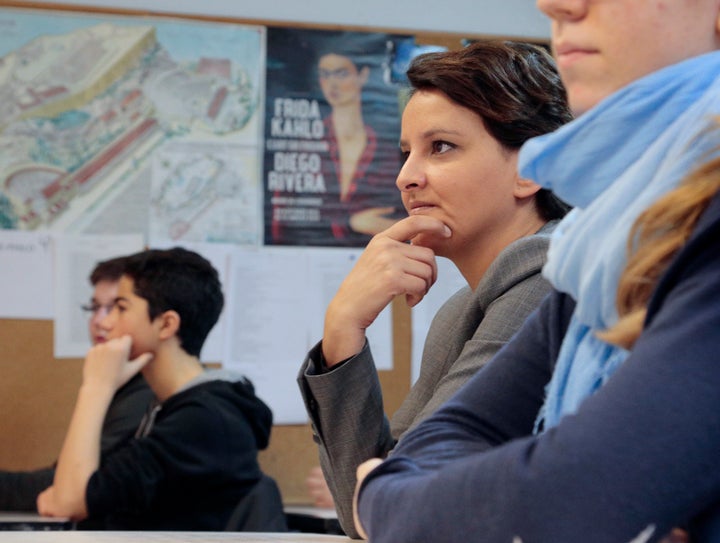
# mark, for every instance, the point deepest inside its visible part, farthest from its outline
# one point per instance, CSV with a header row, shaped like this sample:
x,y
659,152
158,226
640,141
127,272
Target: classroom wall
x,y
491,17
37,391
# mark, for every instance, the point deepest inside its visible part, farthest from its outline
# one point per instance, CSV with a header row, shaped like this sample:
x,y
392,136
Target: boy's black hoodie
x,y
193,459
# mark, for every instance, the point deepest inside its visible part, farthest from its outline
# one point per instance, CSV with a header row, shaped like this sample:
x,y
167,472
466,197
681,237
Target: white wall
x,y
518,18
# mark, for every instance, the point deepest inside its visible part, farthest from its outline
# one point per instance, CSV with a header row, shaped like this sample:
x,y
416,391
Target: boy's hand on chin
x,y
108,364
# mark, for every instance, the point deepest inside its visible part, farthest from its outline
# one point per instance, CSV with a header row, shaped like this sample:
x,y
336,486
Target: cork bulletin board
x,y
37,395
37,390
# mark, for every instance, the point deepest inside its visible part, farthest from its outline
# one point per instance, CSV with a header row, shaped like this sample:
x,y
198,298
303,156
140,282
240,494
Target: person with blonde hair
x,y
657,236
597,421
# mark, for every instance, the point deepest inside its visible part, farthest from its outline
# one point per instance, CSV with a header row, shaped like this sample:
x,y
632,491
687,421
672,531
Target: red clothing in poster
x,y
373,185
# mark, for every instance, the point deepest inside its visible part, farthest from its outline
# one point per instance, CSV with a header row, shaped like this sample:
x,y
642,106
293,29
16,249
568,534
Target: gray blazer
x,y
345,404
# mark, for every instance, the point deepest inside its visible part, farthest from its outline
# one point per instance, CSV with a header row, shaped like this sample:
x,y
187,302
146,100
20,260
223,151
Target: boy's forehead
x,y
105,291
126,287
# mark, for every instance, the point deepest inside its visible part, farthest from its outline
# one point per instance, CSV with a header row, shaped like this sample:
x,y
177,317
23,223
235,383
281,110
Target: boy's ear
x,y
169,324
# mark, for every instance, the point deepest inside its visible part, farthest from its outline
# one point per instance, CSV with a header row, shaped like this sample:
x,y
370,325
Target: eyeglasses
x,y
95,309
340,73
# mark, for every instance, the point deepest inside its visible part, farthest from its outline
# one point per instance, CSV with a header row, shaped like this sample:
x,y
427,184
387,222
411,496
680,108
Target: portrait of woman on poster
x,y
361,158
363,196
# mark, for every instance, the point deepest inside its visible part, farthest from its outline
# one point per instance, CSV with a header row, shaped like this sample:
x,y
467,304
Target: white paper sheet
x,y
26,275
268,332
278,298
327,268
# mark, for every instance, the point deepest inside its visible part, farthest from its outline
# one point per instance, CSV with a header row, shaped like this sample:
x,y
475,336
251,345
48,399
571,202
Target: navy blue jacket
x,y
641,456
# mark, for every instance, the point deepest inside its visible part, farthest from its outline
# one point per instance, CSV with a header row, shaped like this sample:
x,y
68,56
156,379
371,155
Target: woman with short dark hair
x,y
468,113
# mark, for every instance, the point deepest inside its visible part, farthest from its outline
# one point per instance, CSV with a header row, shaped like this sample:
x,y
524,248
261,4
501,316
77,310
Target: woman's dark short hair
x,y
514,87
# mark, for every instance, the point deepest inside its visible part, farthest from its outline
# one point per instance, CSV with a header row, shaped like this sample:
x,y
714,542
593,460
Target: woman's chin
x,y
438,245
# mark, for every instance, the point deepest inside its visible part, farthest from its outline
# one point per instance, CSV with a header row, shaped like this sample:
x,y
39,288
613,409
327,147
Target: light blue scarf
x,y
612,163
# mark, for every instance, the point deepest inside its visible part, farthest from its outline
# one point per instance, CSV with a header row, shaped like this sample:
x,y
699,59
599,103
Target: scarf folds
x,y
612,163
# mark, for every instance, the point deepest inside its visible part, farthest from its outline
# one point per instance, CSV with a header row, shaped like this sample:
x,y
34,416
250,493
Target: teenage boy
x,y
19,489
195,453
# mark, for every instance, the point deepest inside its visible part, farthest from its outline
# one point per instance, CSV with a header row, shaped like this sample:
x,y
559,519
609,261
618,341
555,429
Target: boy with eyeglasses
x,y
19,489
194,456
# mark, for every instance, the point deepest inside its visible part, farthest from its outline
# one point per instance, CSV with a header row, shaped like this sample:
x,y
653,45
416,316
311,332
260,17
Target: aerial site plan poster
x,y
332,125
118,124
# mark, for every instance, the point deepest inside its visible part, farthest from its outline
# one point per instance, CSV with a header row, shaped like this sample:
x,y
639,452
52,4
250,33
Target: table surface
x,y
166,537
311,511
20,516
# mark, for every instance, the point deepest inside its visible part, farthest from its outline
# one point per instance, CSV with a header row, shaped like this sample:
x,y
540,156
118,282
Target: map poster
x,y
332,125
119,124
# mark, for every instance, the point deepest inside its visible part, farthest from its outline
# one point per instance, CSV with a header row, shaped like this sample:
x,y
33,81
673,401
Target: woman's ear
x,y
524,188
169,324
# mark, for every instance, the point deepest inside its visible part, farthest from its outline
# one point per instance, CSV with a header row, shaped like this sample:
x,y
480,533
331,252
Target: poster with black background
x,y
332,125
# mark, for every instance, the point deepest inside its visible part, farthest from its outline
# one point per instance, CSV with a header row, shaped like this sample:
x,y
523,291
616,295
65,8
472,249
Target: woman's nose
x,y
411,176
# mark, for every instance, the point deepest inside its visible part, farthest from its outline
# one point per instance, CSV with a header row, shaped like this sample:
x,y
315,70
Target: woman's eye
x,y
441,147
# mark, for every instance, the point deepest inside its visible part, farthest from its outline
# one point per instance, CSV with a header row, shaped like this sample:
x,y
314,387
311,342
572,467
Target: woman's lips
x,y
417,208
